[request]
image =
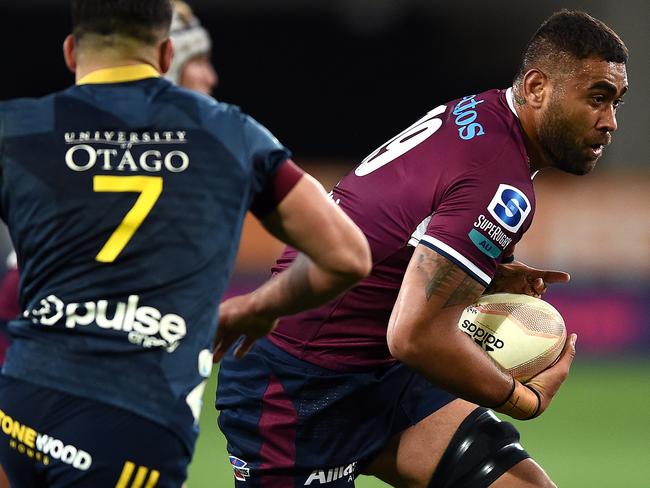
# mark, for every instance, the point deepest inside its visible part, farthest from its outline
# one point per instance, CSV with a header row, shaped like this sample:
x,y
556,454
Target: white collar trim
x,y
511,101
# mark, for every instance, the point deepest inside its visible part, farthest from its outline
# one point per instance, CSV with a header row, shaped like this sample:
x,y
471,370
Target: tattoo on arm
x,y
445,280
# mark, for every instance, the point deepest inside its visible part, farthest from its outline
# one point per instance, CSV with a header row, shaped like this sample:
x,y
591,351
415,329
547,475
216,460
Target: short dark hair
x,y
575,33
143,20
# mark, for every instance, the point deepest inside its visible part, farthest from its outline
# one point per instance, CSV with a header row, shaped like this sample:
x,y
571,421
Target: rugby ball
x,y
524,335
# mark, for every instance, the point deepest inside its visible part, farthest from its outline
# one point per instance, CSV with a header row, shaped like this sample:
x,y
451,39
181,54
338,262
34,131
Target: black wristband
x,y
539,401
512,390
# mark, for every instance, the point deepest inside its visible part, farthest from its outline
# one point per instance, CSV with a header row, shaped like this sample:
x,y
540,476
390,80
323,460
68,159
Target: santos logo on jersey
x,y
146,326
466,116
510,207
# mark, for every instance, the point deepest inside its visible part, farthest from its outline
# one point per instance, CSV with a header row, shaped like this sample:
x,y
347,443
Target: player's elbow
x,y
352,261
402,345
359,264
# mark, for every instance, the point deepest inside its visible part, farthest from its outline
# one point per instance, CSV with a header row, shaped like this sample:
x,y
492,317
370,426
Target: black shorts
x,y
52,439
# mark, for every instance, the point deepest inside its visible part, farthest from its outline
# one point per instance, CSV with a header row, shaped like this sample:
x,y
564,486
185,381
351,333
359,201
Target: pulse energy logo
x,y
145,326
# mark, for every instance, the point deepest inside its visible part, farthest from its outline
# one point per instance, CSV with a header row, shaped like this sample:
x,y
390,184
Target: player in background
x,y
190,68
381,380
124,196
9,307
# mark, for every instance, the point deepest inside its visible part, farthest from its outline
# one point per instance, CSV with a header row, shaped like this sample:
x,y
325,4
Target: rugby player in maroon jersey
x,y
381,381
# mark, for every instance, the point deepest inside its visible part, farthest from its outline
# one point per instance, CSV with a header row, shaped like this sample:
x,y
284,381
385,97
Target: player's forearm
x,y
308,220
450,360
335,255
423,333
303,285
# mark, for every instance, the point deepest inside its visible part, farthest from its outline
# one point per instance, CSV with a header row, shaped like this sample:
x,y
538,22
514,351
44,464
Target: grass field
x,y
596,435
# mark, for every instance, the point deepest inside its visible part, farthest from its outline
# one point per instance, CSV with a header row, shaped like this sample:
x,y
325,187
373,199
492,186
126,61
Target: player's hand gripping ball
x,y
524,335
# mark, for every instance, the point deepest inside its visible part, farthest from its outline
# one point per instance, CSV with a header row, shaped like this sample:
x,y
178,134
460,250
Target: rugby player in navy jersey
x,y
124,196
381,380
190,68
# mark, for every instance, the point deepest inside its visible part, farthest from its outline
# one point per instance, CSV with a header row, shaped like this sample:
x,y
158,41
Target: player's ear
x,y
535,87
166,53
70,52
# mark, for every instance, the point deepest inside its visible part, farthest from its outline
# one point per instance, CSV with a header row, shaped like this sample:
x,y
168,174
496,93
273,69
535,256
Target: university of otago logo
x,y
510,207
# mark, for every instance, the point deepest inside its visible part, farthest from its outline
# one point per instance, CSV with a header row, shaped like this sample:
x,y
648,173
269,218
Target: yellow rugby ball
x,y
524,335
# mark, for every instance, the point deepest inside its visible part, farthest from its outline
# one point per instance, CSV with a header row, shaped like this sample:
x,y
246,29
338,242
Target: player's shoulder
x,y
206,105
23,116
213,115
486,134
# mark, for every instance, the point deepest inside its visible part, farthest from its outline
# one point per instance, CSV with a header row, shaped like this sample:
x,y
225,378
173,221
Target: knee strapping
x,y
481,450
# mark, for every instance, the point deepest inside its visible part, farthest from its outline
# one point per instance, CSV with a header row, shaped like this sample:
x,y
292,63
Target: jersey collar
x,y
510,99
119,74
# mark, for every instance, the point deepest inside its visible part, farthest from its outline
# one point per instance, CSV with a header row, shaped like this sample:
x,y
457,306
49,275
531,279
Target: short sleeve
x,y
265,153
479,220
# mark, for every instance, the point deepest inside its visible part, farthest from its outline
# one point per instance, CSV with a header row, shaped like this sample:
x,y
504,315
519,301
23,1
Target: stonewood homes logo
x,y
42,447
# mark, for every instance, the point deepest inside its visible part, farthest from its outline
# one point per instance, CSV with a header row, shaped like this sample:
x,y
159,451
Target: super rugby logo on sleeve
x,y
510,207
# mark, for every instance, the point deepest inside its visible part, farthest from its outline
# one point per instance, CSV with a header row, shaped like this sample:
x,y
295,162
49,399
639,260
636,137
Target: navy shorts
x,y
52,439
292,424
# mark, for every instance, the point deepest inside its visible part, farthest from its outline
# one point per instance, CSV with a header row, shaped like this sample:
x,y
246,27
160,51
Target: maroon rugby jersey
x,y
456,181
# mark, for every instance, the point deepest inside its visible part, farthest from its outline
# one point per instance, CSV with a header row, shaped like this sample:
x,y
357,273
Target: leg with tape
x,y
482,449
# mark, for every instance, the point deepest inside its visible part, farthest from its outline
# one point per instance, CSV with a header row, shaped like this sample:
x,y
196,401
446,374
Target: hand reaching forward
x,y
517,277
238,317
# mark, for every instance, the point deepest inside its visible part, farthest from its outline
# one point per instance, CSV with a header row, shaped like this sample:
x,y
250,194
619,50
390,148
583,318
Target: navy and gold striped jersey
x,y
125,196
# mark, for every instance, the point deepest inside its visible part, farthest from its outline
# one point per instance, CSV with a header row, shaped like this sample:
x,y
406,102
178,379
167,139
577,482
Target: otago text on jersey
x,y
120,151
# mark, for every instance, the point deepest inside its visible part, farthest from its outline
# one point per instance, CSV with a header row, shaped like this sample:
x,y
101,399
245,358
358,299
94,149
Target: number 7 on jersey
x,y
149,187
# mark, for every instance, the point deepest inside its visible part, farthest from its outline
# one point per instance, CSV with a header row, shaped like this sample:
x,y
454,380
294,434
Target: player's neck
x,y
87,62
537,158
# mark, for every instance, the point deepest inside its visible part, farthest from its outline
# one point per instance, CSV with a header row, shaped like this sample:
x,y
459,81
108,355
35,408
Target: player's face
x,y
581,114
199,75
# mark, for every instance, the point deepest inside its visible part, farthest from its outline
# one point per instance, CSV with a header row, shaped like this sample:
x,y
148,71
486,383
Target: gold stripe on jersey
x,y
120,74
140,477
127,471
153,479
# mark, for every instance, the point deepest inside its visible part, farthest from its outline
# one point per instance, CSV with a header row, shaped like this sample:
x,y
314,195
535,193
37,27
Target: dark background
x,y
335,78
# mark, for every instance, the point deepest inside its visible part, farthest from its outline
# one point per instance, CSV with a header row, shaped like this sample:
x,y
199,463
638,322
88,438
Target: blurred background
x,y
334,79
